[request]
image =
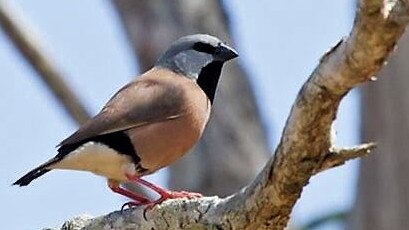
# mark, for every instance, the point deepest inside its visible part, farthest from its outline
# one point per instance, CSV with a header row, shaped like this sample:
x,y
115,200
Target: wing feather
x,y
144,101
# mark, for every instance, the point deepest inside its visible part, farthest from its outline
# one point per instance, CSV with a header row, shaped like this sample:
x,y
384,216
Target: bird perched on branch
x,y
150,122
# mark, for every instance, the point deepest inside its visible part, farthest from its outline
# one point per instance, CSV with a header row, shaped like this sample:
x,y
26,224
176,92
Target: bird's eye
x,y
203,47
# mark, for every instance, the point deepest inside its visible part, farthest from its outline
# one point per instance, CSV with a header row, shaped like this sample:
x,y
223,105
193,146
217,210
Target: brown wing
x,y
154,97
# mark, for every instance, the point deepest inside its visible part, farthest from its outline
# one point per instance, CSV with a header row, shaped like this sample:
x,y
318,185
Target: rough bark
x,y
215,166
383,188
305,145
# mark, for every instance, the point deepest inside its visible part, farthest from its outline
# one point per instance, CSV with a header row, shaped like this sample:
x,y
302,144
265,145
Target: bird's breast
x,y
162,143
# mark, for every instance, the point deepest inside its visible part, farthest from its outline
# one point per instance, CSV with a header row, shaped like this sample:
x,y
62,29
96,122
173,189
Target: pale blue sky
x,y
280,43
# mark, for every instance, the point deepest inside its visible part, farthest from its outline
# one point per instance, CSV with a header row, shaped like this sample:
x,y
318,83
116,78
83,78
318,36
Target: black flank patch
x,y
118,141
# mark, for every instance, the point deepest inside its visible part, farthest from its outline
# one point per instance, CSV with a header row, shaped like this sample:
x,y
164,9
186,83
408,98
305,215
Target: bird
x,y
150,123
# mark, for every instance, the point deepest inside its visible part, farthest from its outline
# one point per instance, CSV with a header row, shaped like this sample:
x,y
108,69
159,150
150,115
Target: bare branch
x,y
305,142
306,137
25,41
338,156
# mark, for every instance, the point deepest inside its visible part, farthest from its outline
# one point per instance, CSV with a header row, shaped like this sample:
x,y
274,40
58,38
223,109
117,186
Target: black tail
x,y
35,173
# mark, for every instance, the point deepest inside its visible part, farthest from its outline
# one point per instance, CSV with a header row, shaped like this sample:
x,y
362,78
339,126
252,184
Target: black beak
x,y
225,53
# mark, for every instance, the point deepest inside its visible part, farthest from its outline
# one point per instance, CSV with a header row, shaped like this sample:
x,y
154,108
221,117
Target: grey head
x,y
199,57
190,54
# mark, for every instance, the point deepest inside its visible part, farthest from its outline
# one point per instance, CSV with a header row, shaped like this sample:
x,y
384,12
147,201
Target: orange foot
x,y
164,194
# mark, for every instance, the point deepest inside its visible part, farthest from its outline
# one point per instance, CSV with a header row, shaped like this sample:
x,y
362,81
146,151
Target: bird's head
x,y
199,57
190,54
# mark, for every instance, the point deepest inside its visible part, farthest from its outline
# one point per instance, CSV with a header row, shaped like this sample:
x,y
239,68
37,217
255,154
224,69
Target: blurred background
x,y
98,46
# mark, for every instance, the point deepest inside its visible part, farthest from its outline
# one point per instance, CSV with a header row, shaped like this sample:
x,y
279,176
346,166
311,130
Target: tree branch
x,y
25,41
338,156
305,143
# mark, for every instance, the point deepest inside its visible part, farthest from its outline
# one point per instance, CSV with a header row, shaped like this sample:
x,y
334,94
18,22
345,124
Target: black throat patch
x,y
209,77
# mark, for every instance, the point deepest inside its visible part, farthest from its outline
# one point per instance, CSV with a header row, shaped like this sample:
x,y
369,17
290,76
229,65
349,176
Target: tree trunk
x,y
383,190
221,163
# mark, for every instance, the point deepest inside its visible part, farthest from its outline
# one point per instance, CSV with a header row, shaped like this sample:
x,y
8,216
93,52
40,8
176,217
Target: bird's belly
x,y
161,144
99,159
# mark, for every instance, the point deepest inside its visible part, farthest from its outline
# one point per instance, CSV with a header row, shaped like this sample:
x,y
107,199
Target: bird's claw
x,y
135,204
164,196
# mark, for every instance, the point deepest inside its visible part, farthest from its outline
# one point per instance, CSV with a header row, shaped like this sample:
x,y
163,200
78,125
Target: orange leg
x,y
140,200
164,193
